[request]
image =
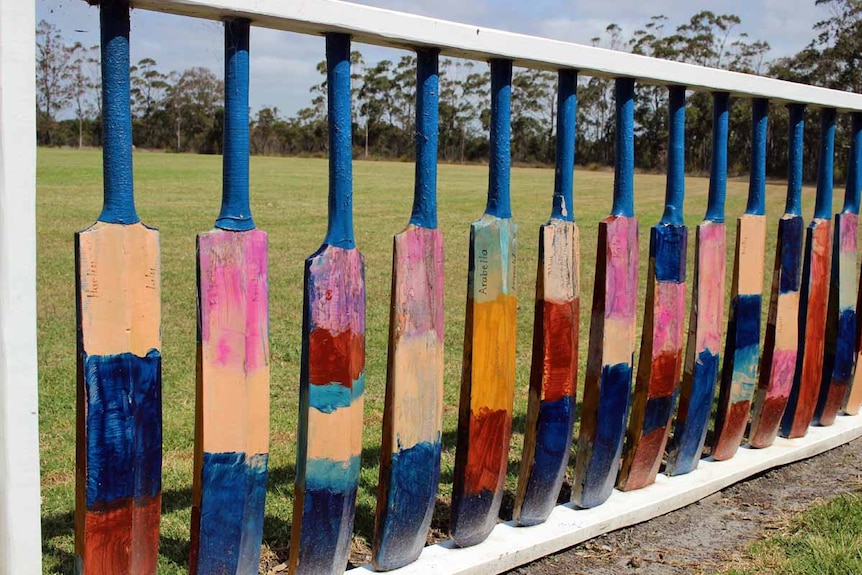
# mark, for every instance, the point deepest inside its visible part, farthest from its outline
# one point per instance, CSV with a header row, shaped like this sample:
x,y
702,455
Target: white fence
x,y
20,538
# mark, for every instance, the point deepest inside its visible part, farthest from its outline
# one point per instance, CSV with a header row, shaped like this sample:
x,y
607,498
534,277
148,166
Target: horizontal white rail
x,y
400,30
509,546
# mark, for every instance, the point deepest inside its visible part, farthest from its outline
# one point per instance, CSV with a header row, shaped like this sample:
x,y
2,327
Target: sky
x,y
283,64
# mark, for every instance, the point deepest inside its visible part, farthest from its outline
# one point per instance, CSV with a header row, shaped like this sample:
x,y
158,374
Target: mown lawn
x,y
180,195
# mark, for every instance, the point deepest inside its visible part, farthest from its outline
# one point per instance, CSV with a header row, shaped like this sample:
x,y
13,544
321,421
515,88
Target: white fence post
x,y
20,528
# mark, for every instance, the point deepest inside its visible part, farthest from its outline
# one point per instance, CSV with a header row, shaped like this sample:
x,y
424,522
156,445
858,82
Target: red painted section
x,y
489,450
834,399
560,364
770,418
666,368
815,331
737,418
647,460
338,358
113,534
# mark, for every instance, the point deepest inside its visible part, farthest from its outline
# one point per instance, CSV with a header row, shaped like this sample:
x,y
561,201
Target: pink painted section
x,y
622,278
234,278
783,368
669,317
712,260
849,223
421,308
336,291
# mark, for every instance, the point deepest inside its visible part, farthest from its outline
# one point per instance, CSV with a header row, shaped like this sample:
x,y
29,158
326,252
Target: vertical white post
x,y
20,530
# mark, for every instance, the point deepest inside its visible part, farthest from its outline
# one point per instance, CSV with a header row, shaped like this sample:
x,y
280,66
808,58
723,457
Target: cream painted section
x,y
417,375
337,435
752,254
20,522
618,341
787,321
227,396
120,289
562,265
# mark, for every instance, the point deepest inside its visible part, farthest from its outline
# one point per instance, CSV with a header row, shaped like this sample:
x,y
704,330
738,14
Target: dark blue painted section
x,y
794,159
675,188
499,202
718,173
553,444
119,206
689,435
854,166
790,231
844,346
658,412
323,542
232,511
410,505
668,246
757,180
624,164
124,427
747,318
340,231
427,129
825,165
235,212
567,112
601,471
471,516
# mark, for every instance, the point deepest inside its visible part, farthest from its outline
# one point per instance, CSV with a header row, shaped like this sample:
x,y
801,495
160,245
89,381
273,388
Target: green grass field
x,y
180,195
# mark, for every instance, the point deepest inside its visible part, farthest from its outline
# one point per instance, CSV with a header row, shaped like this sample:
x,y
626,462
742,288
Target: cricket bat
x,y
119,394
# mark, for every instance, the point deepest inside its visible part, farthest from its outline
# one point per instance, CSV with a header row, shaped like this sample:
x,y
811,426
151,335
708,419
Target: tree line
x,y
183,111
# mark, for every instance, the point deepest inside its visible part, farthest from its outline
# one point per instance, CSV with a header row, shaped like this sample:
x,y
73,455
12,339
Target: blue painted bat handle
x,y
825,165
427,125
794,160
757,180
624,166
340,232
675,188
235,212
499,201
854,167
567,111
718,171
119,203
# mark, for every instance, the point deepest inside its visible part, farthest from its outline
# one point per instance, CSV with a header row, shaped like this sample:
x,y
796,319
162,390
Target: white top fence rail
x,y
381,27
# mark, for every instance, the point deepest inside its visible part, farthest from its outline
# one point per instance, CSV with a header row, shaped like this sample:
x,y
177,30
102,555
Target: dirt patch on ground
x,y
705,536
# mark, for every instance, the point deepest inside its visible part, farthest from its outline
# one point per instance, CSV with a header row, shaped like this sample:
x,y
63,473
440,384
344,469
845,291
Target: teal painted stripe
x,y
331,475
328,398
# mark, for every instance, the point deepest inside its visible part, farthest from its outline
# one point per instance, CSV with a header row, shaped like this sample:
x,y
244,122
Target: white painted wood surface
x,y
20,531
510,546
400,30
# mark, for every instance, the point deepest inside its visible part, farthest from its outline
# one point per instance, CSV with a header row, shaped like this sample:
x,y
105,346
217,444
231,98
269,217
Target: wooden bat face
x,y
488,381
609,365
702,351
410,455
660,360
841,321
331,405
782,334
742,351
554,374
118,499
233,402
812,309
